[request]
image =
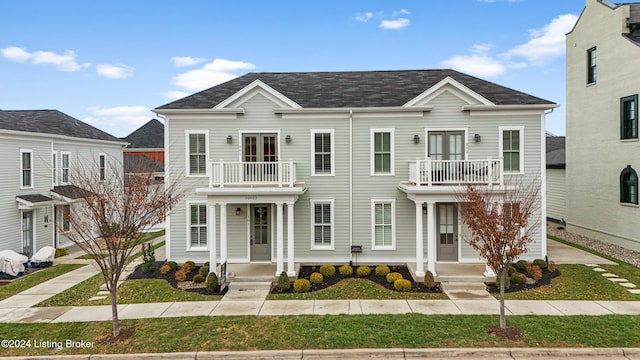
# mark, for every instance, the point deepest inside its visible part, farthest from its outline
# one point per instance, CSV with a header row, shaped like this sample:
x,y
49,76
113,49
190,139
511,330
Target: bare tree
x,y
502,221
112,213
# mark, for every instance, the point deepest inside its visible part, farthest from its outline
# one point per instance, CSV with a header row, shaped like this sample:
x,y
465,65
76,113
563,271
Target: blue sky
x,y
110,62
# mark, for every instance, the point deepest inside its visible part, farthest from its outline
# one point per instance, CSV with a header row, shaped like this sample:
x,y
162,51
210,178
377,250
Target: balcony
x,y
456,172
253,174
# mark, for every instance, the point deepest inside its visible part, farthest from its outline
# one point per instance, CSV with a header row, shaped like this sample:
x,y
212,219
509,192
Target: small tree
x,y
502,221
111,214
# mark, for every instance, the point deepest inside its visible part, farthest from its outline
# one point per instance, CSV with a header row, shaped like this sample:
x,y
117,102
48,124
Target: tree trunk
x,y
503,318
114,311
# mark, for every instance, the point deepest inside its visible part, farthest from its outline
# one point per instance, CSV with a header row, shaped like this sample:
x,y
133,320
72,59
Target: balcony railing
x,y
278,173
456,172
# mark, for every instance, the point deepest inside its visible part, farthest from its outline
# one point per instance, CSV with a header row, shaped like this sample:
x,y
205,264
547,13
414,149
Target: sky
x,y
109,63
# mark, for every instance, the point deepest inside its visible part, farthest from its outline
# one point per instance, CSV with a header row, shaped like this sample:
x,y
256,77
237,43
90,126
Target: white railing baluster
x,y
274,173
456,172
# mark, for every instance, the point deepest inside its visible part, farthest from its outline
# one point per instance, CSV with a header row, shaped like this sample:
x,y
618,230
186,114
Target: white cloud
x,y
117,71
175,94
184,61
476,64
119,121
364,17
63,62
213,73
397,13
394,24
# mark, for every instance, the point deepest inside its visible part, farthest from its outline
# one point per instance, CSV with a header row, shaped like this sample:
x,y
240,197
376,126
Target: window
x,y
54,167
197,150
198,225
322,152
65,167
322,220
629,186
511,148
382,145
102,164
629,117
591,66
382,219
26,169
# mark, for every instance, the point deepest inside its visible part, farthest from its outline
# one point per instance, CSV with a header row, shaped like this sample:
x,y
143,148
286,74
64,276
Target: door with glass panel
x,y
260,237
27,233
259,156
446,145
447,226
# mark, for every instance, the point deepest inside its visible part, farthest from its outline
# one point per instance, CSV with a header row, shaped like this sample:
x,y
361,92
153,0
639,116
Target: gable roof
x,y
149,136
354,89
50,122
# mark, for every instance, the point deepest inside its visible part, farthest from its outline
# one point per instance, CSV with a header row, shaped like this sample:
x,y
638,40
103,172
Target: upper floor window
x,y
102,159
323,152
382,151
198,225
322,220
197,150
65,167
511,148
629,117
54,167
592,72
383,222
629,186
26,169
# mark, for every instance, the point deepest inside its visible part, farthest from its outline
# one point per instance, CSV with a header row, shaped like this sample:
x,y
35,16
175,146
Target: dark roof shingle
x,y
149,136
556,152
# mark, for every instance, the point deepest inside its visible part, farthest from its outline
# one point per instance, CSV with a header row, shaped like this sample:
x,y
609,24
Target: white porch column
x,y
223,233
431,237
419,241
279,239
291,270
212,239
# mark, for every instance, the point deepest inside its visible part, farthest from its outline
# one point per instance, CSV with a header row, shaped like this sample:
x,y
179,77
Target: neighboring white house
x,y
556,178
40,150
300,168
603,151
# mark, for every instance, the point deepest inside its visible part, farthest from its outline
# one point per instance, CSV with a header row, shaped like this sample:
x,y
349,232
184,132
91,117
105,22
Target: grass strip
x,y
237,333
21,284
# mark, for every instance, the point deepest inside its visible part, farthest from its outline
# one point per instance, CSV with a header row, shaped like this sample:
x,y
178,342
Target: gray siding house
x,y
299,168
556,178
40,151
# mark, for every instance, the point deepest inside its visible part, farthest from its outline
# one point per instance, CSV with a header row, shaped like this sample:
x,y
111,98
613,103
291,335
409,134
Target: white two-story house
x,y
304,168
39,153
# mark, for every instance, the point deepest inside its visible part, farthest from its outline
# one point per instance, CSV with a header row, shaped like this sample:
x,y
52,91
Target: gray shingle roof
x,y
71,191
50,122
556,152
35,198
149,136
354,89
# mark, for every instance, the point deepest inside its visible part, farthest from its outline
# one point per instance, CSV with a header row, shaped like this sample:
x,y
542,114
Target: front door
x,y
260,237
27,233
447,232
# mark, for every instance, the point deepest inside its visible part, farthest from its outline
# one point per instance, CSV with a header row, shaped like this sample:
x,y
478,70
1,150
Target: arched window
x,y
629,186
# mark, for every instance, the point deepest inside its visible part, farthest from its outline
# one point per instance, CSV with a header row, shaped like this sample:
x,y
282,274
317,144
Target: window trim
x,y
187,134
313,203
331,133
374,202
501,130
22,169
392,167
54,167
624,195
592,68
102,168
62,168
188,223
623,100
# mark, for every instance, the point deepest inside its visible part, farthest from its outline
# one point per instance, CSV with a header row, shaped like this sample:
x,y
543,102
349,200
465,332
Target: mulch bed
x,y
306,271
170,278
494,288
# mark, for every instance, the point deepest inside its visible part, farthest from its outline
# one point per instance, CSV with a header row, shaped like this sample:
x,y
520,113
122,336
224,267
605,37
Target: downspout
x,y
350,184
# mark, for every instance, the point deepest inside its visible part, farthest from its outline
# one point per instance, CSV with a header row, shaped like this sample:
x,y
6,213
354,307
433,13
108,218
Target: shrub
x,y
186,268
212,284
392,277
382,270
164,269
511,270
283,282
541,263
518,278
61,252
301,285
552,266
204,270
534,268
206,264
429,281
524,267
174,265
363,271
181,276
536,274
191,264
346,270
403,285
316,278
148,258
198,279
327,270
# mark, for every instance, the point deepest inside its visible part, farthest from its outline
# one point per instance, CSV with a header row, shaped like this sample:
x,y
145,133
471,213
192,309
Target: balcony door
x,y
446,145
260,149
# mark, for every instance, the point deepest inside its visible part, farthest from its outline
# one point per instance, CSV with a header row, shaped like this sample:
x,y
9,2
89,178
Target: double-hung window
x,y
629,117
197,226
512,148
26,169
629,186
65,167
383,223
322,220
592,73
102,163
382,151
322,152
197,149
54,167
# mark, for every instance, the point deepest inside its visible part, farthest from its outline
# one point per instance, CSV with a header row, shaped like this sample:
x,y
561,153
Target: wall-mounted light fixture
x,y
229,139
416,139
287,139
424,210
476,138
238,210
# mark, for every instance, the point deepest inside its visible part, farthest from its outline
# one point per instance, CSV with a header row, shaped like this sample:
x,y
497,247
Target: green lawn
x,y
235,333
31,280
147,237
